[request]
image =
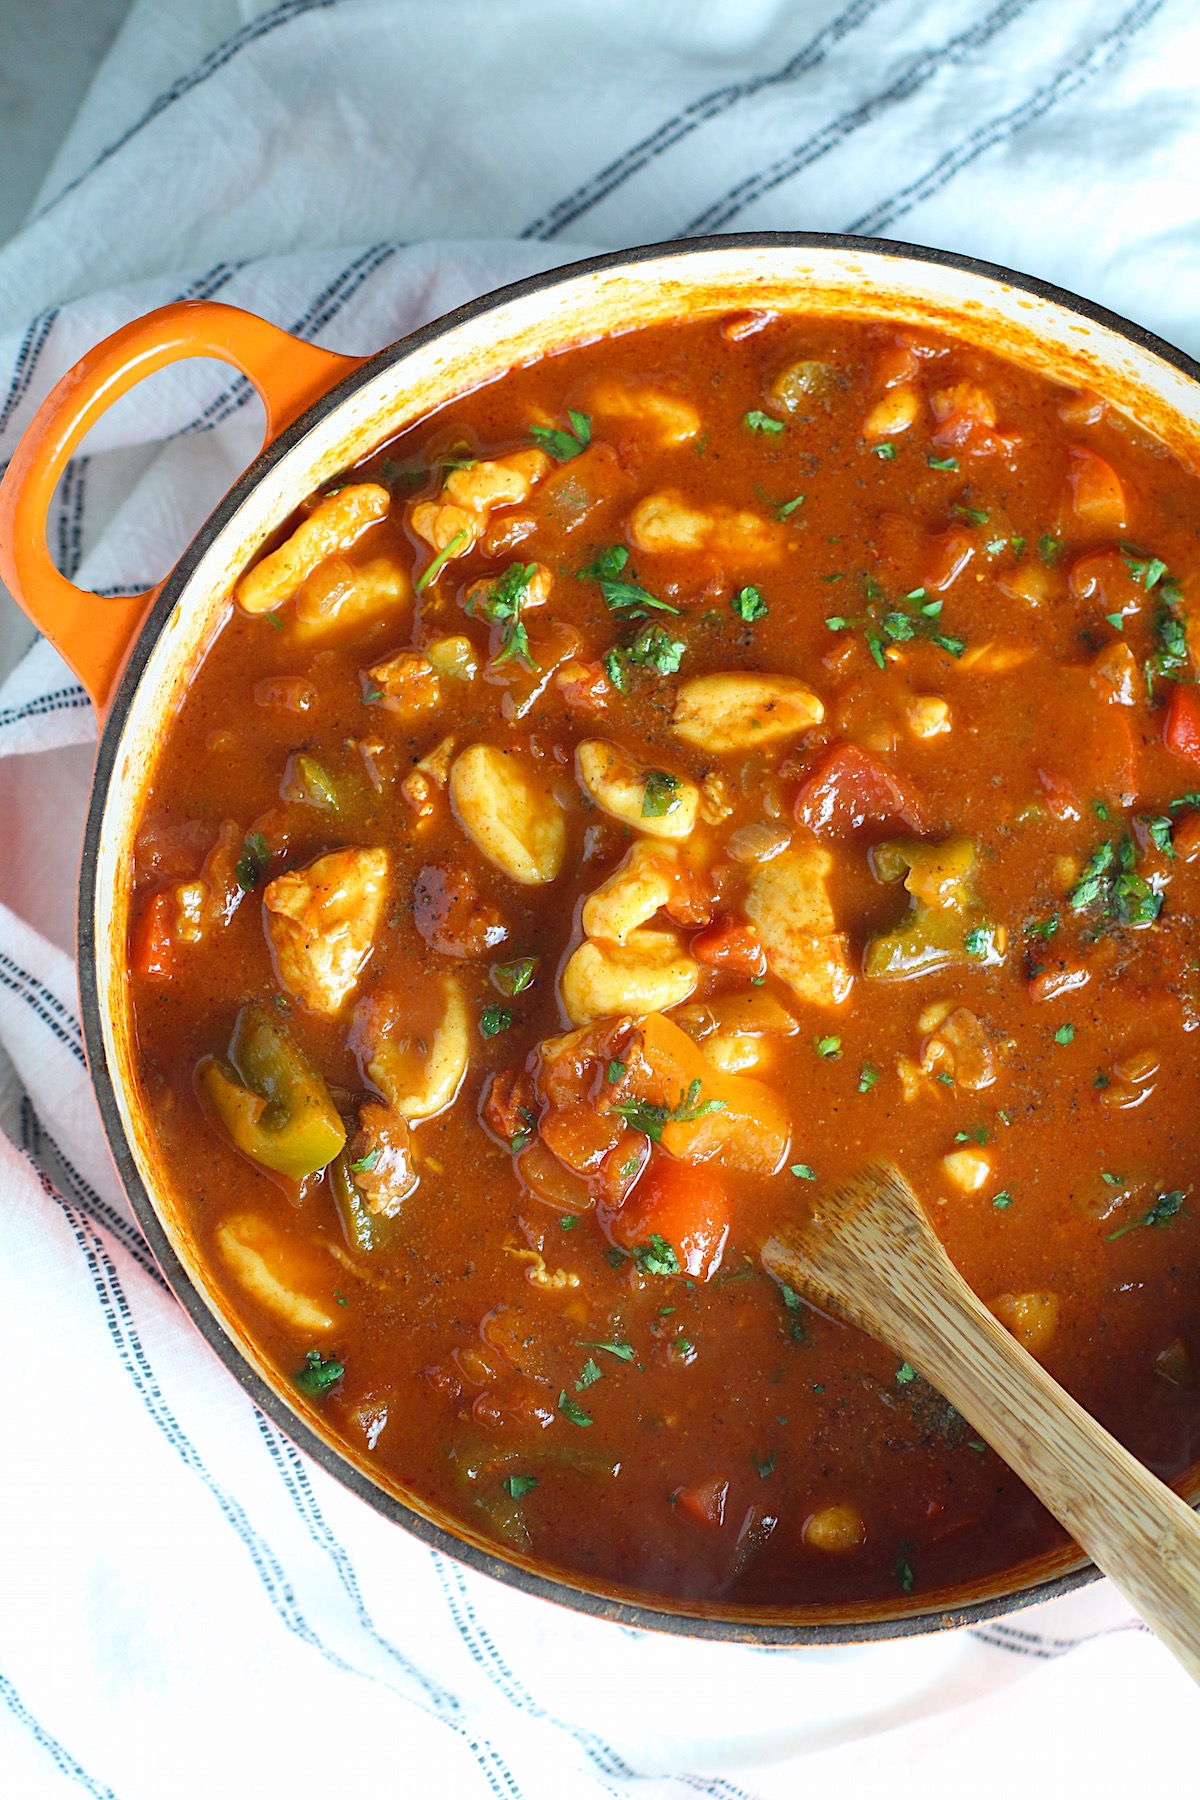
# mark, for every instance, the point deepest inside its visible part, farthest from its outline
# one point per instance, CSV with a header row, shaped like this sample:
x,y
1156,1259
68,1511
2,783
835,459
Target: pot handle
x,y
93,634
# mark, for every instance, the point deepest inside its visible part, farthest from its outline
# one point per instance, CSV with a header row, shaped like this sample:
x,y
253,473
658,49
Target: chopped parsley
x,y
1048,548
795,1308
590,1372
645,1116
749,605
252,863
1158,829
942,462
766,1467
660,795
902,1569
1161,1213
621,596
520,1485
439,562
1044,928
867,1077
495,1019
1112,1180
975,1134
657,1257
513,978
913,616
366,1163
827,1047
803,1171
563,445
905,1373
1170,635
319,1374
761,421
623,1351
571,1409
973,515
500,604
616,1070
1111,883
568,1221
652,648
1065,1034
979,941
1147,571
1002,1200
788,508
885,452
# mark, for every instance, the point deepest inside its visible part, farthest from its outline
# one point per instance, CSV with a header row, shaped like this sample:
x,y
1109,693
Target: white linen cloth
x,y
187,1605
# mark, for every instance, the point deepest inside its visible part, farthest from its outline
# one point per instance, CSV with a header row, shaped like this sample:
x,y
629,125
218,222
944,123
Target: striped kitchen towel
x,y
188,1606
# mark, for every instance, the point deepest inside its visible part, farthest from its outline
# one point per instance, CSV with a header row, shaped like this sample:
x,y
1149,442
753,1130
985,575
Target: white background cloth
x,y
187,1605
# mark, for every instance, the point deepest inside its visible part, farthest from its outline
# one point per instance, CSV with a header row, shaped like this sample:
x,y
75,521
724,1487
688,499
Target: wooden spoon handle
x,y
893,1278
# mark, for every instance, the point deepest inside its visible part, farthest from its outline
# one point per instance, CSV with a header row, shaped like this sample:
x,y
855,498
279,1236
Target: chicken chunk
x,y
329,530
651,879
664,524
788,901
727,712
340,593
472,494
322,922
405,684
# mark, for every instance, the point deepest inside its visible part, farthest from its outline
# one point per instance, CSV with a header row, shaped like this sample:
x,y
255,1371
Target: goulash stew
x,y
662,780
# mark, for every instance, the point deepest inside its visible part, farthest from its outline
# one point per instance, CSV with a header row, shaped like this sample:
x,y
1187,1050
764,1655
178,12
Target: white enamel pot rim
x,y
1029,320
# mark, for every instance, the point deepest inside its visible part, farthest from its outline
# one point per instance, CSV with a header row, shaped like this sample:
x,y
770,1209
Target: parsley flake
x,y
1065,1034
942,462
1161,1213
434,569
761,421
590,1372
657,1257
319,1374
660,794
495,1019
563,445
867,1077
905,1373
803,1171
513,978
749,605
827,1047
520,1485
500,603
571,1409
1002,1200
885,452
252,863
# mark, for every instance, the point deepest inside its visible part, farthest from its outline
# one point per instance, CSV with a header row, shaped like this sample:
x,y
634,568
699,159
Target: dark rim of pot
x,y
643,1615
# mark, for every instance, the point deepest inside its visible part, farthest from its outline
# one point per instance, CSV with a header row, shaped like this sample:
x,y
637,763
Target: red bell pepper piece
x,y
850,788
685,1204
1181,727
729,944
153,949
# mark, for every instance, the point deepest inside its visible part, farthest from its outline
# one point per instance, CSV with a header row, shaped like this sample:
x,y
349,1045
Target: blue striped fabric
x,y
188,1606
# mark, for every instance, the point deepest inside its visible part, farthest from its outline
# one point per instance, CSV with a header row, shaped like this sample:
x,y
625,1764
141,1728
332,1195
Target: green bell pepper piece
x,y
271,1100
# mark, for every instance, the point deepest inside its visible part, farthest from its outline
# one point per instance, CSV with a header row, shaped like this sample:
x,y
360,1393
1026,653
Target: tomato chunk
x,y
705,1501
686,1205
1181,727
729,944
849,789
153,945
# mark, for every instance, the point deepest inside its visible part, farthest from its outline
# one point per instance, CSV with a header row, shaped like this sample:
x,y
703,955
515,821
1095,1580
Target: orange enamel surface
x,y
95,636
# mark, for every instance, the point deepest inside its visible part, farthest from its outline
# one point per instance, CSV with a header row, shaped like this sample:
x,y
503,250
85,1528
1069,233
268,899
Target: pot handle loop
x,y
93,634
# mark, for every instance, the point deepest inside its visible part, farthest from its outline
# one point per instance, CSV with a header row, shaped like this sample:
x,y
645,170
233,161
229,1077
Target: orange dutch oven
x,y
135,656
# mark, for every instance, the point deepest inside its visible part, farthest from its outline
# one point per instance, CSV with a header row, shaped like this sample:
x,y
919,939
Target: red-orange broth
x,y
541,1310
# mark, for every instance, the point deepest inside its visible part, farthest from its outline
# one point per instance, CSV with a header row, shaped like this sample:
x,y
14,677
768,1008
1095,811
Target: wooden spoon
x,y
869,1252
